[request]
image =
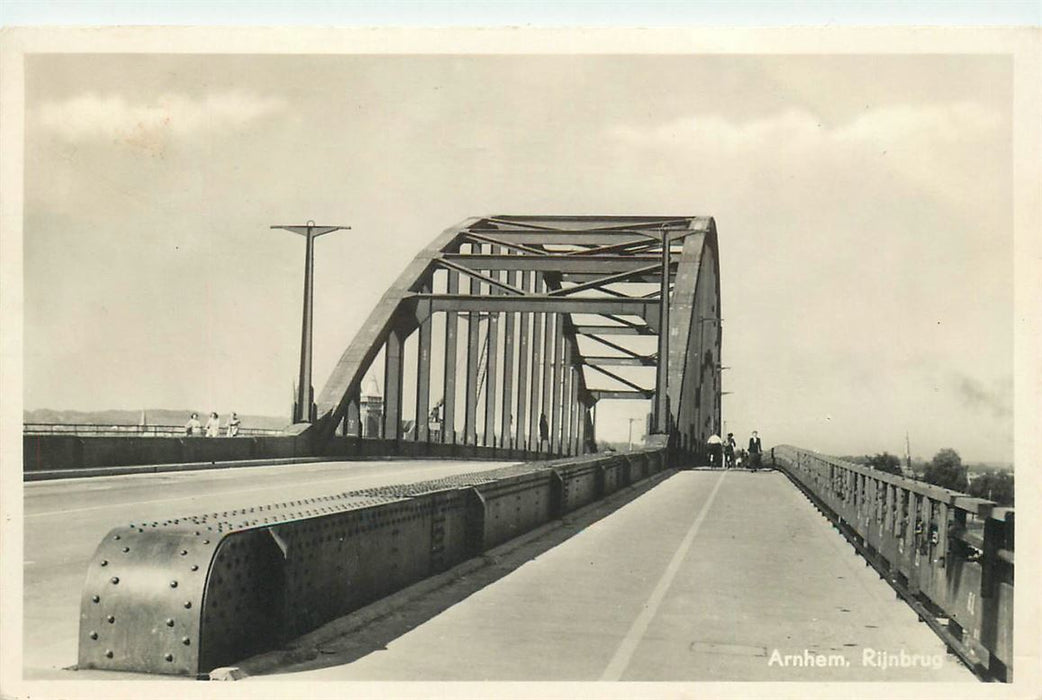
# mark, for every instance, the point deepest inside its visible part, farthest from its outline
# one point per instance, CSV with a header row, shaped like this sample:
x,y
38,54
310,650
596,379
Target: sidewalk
x,y
710,576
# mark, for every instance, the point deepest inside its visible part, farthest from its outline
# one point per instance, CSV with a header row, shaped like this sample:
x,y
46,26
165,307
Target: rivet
x,y
195,567
108,653
169,622
173,584
95,599
104,562
184,552
116,537
111,619
188,604
126,549
206,541
185,641
169,657
93,634
115,579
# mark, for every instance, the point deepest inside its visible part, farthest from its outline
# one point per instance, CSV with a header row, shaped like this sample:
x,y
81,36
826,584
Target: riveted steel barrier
x,y
947,554
185,595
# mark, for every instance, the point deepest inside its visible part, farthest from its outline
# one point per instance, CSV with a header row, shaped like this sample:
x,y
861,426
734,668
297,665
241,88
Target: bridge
x,y
493,349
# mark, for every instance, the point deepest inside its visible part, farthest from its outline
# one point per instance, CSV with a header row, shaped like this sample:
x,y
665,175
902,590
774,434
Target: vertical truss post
x,y
576,447
523,358
393,352
491,353
583,417
423,381
558,407
508,372
661,400
566,419
537,358
547,390
448,421
470,427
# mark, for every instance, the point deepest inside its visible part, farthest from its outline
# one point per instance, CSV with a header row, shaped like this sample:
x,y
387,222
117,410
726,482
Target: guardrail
x,y
187,595
947,554
135,430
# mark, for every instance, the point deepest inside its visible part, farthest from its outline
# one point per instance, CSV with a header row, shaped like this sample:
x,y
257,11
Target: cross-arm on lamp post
x,y
303,408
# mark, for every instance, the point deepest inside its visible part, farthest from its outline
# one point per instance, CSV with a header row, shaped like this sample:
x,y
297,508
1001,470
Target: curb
x,y
49,474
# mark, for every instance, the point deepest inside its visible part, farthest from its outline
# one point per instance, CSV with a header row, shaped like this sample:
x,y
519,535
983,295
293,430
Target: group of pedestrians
x,y
725,453
213,426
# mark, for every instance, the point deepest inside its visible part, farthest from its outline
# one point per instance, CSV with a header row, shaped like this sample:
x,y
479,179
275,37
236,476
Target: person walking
x,y
729,445
193,425
213,426
233,425
755,449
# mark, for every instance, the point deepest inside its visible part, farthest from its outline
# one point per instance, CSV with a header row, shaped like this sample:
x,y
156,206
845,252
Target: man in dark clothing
x,y
755,448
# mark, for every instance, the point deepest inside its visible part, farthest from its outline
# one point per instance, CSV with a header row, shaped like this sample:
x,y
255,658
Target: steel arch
x,y
529,285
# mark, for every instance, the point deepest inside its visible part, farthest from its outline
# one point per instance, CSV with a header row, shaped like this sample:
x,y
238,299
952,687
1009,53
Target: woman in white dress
x,y
213,425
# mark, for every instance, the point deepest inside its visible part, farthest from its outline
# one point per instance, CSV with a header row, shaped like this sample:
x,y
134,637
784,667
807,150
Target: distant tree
x,y
995,486
946,470
886,462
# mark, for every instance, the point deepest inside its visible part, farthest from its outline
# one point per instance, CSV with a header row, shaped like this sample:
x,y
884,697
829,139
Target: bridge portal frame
x,y
528,279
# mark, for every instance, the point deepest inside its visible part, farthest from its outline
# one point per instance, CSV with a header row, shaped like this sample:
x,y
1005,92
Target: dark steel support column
x,y
558,406
470,427
566,419
393,352
537,355
548,378
506,426
661,402
523,359
423,381
491,354
448,422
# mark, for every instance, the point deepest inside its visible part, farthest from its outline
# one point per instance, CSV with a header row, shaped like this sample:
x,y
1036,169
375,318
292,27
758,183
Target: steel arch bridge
x,y
506,331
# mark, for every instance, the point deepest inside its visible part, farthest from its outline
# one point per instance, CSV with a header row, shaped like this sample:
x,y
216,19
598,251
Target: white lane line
x,y
234,493
624,653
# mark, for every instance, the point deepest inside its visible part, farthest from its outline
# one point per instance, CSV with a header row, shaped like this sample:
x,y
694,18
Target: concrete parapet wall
x,y
68,452
185,596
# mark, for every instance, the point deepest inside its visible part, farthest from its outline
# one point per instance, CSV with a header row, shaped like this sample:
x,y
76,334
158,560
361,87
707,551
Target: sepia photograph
x,y
520,362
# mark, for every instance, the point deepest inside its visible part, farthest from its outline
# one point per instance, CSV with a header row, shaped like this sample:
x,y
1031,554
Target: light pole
x,y
304,400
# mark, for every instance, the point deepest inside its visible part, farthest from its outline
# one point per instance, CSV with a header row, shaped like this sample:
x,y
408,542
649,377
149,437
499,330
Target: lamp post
x,y
302,407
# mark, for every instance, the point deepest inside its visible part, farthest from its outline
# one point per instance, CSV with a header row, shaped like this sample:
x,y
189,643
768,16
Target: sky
x,y
863,203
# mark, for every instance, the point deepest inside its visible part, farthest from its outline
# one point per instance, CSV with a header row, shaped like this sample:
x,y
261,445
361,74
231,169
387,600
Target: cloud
x,y
939,148
997,400
112,117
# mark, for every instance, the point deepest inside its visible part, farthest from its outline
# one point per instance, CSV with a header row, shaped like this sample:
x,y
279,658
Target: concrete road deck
x,y
709,576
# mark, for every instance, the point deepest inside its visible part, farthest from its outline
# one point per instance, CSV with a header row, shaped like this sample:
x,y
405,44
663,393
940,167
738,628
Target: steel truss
x,y
518,369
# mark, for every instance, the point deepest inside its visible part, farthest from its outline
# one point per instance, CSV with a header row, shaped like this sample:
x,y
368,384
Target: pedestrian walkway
x,y
709,576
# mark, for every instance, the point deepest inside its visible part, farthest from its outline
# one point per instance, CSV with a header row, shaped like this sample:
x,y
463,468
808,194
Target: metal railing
x,y
949,555
93,429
